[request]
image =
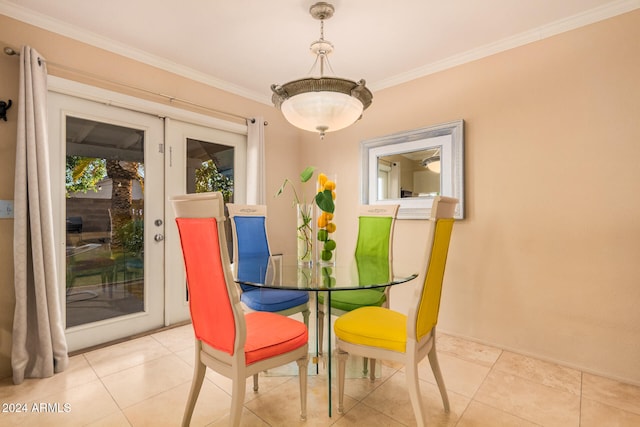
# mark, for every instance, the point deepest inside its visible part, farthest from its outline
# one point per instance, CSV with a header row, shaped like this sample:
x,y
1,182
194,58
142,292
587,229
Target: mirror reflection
x,y
411,168
412,174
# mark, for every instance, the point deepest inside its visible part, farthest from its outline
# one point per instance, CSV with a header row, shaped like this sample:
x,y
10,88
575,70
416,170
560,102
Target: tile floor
x,y
145,382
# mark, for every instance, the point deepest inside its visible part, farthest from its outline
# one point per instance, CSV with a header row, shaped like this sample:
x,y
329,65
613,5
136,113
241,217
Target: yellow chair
x,y
232,343
381,333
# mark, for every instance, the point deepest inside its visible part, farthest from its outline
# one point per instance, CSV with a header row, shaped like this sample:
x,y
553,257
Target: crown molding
x,y
47,23
576,21
588,17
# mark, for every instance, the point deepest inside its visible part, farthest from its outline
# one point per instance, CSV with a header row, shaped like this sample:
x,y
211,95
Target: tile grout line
x,y
473,397
106,389
581,398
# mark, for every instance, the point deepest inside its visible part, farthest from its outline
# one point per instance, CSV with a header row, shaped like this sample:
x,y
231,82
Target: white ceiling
x,y
244,46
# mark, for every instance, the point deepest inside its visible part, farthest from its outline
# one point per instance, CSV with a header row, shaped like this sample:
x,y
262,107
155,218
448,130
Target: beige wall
x,y
546,262
8,90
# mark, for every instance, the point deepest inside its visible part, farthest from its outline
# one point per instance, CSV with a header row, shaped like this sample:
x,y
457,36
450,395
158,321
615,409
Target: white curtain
x,y
256,175
39,347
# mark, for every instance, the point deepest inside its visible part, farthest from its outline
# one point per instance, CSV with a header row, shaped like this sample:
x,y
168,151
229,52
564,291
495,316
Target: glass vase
x,y
325,236
304,234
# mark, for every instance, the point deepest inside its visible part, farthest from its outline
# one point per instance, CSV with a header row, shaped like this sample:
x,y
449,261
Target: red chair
x,y
232,343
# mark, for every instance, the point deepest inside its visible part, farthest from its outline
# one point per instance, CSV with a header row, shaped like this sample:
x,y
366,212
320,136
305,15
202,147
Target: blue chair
x,y
250,243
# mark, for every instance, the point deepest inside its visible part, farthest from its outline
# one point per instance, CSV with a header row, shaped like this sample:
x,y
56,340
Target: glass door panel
x,y
200,159
105,221
210,168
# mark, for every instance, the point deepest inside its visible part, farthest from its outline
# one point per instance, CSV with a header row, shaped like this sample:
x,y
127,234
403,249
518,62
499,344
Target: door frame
x,y
138,105
151,314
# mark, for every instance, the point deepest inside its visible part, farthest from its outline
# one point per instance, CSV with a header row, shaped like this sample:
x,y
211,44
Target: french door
x,y
108,192
113,171
198,159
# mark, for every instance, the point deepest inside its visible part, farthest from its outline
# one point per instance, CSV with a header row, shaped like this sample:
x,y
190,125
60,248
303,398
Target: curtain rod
x,y
11,52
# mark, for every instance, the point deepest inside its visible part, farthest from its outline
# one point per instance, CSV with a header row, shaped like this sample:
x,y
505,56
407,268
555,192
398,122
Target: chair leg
x,y
255,383
372,372
196,384
413,385
320,330
435,367
237,399
305,317
365,366
303,364
342,361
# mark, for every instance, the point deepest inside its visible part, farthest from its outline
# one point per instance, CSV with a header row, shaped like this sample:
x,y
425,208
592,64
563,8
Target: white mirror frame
x,y
449,137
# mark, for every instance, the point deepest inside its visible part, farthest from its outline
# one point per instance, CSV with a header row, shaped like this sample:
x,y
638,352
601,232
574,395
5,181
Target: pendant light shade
x,y
322,104
432,162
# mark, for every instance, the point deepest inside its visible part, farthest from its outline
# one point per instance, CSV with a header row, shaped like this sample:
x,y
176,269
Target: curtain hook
x,y
3,109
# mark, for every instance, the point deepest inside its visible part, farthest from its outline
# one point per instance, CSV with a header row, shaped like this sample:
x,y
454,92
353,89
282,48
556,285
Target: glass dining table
x,y
282,272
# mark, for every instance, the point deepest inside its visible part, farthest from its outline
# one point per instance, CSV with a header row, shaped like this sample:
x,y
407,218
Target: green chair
x,y
381,333
375,238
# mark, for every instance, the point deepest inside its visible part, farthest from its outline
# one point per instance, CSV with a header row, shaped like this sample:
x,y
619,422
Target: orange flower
x,y
329,185
322,220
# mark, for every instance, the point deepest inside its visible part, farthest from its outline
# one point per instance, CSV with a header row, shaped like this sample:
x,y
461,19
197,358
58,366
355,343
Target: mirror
x,y
411,168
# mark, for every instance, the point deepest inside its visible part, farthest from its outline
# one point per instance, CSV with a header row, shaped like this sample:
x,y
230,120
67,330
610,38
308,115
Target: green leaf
x,y
325,201
306,174
281,188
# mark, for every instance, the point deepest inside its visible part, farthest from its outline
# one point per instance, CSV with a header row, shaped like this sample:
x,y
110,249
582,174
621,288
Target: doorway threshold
x,y
129,338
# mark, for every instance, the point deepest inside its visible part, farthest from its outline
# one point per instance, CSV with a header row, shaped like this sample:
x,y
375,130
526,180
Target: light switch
x,y
6,208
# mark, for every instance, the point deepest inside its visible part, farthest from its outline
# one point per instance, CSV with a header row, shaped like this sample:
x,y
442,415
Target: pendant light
x,y
322,104
432,161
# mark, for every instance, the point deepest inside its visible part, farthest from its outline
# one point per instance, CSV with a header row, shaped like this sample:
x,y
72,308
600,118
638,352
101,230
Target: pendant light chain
x,y
323,54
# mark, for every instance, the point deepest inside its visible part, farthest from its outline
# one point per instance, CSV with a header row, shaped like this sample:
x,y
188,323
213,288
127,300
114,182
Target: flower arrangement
x,y
326,227
304,229
324,199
